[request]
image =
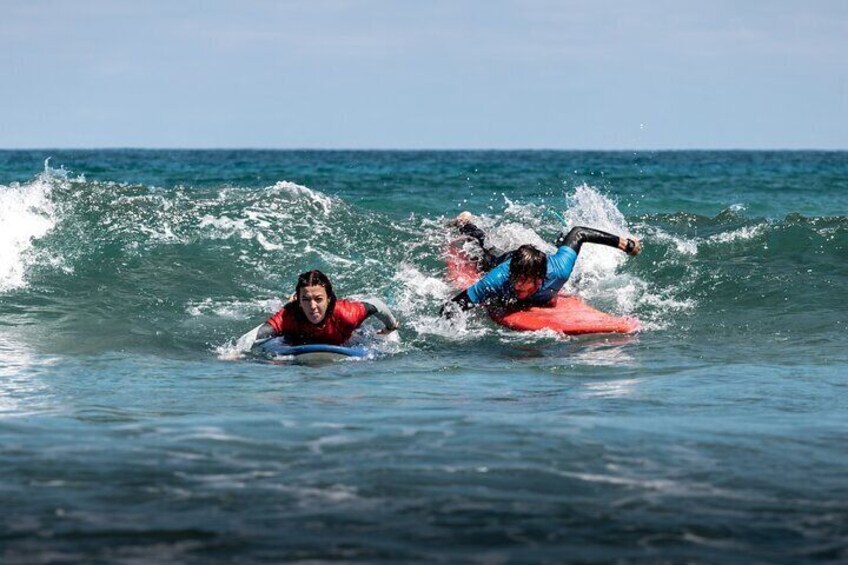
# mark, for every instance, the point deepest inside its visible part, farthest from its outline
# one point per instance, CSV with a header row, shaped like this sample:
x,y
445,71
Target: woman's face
x,y
313,301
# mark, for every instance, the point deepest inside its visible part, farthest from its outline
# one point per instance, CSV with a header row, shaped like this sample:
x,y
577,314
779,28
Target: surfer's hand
x,y
630,245
637,248
386,330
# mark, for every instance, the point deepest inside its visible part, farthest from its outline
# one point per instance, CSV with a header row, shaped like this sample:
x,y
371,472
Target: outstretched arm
x,y
580,235
493,285
462,300
265,331
376,307
256,336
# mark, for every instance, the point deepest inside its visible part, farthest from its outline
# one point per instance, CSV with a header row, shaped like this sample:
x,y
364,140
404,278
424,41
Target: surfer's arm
x,y
462,300
376,307
265,331
271,328
256,336
494,284
580,235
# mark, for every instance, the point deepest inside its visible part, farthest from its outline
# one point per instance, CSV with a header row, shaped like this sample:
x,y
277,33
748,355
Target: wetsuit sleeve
x,y
376,307
561,263
580,235
265,331
494,284
462,300
254,337
277,322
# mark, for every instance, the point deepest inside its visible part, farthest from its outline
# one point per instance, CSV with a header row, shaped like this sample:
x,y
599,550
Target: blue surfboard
x,y
308,354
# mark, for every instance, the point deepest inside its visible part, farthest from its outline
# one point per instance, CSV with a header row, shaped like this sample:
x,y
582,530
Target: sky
x,y
428,74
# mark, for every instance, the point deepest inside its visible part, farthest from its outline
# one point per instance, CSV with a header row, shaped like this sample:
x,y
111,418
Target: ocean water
x,y
133,431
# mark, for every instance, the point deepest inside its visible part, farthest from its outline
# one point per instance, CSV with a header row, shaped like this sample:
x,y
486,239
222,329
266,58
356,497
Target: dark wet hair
x,y
313,278
527,262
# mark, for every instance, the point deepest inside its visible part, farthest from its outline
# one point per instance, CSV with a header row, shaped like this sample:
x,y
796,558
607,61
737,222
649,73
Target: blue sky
x,y
431,74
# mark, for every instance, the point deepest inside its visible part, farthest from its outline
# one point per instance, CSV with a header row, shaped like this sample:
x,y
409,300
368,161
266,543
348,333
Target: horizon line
x,y
432,150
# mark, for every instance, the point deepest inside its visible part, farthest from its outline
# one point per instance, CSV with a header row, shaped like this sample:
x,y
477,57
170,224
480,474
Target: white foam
x,y
232,351
530,215
588,207
233,309
737,235
267,245
524,337
510,235
688,246
277,217
224,227
416,285
666,303
663,485
415,304
621,388
27,213
318,200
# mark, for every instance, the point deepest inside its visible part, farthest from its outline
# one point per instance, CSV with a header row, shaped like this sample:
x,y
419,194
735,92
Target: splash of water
x,y
27,213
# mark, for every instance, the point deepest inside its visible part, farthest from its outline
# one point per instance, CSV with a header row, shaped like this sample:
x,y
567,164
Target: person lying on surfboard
x,y
315,315
527,276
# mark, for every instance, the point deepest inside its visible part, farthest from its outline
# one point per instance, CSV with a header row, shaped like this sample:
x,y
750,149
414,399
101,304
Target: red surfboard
x,y
570,315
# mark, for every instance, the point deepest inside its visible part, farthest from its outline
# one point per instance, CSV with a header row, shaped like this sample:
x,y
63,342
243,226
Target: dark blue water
x,y
132,430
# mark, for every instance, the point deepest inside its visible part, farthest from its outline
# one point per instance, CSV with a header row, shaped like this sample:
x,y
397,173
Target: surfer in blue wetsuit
x,y
527,276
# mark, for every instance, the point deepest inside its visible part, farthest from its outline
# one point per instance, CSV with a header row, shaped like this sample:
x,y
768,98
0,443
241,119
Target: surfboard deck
x,y
570,315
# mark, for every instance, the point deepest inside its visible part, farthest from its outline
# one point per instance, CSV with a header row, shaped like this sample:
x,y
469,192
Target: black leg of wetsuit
x,y
473,231
580,235
489,260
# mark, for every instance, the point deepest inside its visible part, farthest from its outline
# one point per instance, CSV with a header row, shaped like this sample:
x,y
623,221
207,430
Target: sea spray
x,y
27,213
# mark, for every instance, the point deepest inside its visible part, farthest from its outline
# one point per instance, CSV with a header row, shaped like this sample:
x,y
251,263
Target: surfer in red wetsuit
x,y
315,315
527,276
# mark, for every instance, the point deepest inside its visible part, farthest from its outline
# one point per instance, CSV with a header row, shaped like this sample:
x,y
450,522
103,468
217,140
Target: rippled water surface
x,y
132,430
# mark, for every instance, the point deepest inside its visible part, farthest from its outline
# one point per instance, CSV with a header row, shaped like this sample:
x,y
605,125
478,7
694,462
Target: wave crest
x,y
27,214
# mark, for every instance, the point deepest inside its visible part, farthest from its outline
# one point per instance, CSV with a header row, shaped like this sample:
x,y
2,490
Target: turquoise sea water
x,y
131,429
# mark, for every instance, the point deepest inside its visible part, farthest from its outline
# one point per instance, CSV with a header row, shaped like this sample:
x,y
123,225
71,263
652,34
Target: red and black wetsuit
x,y
335,329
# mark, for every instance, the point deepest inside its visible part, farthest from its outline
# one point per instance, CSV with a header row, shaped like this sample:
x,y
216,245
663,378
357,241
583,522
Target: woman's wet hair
x,y
527,262
313,278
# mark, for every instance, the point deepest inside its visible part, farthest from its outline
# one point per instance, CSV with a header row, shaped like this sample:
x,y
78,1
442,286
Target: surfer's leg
x,y
503,257
490,257
475,233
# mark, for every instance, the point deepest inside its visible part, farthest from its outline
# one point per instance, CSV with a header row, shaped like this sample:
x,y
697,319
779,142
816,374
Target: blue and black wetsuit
x,y
495,289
